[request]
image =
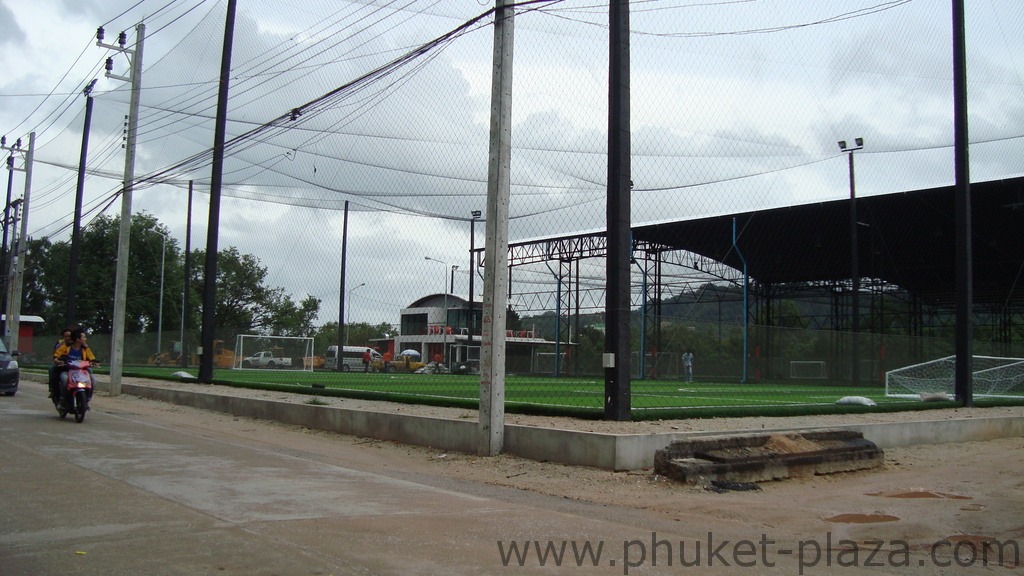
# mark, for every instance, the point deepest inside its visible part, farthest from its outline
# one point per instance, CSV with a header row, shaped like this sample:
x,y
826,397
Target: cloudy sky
x,y
737,105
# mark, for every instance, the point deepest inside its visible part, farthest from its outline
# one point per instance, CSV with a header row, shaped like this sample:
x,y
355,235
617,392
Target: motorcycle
x,y
77,390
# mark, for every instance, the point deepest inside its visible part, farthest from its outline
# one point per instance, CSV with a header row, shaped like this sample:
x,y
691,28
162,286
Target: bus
x,y
351,357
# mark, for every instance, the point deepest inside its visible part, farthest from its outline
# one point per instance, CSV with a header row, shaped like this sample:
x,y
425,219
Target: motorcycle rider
x,y
55,368
76,350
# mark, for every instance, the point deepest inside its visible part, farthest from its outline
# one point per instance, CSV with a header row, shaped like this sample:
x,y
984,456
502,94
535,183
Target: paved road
x,y
144,488
122,494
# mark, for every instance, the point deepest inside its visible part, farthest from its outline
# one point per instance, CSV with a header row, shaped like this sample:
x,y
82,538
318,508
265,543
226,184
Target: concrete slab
x,y
766,456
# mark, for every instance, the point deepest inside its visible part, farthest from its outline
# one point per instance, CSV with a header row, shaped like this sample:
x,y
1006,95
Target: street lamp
x,y
444,326
348,317
854,260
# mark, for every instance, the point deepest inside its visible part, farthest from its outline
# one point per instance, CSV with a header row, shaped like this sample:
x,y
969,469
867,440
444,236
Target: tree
x,y
245,304
37,297
326,335
512,320
290,319
359,334
244,301
47,276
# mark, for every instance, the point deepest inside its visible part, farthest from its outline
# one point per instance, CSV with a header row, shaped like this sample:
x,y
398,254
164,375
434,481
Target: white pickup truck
x,y
266,359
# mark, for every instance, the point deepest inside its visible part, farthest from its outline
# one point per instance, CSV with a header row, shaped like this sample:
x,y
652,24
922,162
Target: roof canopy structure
x,y
905,239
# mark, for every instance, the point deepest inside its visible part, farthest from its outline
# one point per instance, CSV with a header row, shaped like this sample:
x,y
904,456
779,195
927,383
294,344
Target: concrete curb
x,y
572,447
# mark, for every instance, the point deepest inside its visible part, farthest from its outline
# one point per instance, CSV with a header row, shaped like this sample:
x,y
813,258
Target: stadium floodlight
x,y
858,144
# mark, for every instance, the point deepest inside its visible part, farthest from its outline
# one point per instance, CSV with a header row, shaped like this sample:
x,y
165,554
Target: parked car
x,y
9,371
401,363
266,359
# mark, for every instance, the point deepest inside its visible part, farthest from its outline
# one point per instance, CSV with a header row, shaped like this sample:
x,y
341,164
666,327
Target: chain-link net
x,y
364,127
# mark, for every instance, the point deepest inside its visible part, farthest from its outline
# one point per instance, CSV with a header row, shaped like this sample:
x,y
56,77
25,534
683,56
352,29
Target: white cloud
x,y
720,123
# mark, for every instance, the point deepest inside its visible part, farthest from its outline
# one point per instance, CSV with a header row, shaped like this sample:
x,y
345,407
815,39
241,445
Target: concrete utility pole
x,y
17,273
124,233
12,220
4,260
492,333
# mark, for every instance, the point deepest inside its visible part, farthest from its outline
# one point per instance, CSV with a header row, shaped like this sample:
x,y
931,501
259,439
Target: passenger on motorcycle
x,y
76,350
57,366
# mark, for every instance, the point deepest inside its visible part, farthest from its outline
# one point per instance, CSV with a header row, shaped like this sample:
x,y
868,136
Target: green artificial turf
x,y
581,397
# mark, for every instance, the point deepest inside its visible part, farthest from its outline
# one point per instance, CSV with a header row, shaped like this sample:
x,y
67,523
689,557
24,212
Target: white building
x,y
438,325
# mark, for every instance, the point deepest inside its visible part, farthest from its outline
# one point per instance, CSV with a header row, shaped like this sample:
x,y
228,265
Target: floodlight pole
x,y
854,262
616,360
76,225
209,326
964,369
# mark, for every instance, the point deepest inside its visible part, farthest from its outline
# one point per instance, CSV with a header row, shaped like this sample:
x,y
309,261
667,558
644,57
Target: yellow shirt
x,y
65,350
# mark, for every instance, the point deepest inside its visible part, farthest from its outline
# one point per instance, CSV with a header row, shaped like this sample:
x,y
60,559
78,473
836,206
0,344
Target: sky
x,y
736,106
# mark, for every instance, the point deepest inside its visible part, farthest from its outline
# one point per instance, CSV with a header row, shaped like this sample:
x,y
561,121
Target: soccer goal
x,y
807,369
544,363
991,377
255,352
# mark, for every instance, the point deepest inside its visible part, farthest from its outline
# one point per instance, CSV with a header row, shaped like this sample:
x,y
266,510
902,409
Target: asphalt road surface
x,y
145,488
127,493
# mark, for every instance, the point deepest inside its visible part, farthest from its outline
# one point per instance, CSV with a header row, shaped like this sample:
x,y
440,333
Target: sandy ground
x,y
951,493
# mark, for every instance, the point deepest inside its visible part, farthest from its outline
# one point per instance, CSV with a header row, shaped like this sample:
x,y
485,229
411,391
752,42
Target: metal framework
x,y
906,265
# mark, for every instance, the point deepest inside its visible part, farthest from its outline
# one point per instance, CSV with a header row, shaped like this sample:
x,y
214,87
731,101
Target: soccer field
x,y
574,396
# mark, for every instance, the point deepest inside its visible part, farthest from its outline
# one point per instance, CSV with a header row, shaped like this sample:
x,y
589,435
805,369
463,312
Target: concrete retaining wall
x,y
598,450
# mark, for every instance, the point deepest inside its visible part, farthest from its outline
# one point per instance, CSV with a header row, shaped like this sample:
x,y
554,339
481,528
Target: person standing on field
x,y
688,366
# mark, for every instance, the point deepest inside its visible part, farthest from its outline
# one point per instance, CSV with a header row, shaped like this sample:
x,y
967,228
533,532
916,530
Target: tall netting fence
x,y
359,133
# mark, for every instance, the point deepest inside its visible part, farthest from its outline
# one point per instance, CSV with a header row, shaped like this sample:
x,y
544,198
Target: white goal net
x,y
544,363
991,377
255,352
807,369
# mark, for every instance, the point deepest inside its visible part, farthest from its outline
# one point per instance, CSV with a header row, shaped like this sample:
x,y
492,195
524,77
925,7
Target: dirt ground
x,y
968,492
